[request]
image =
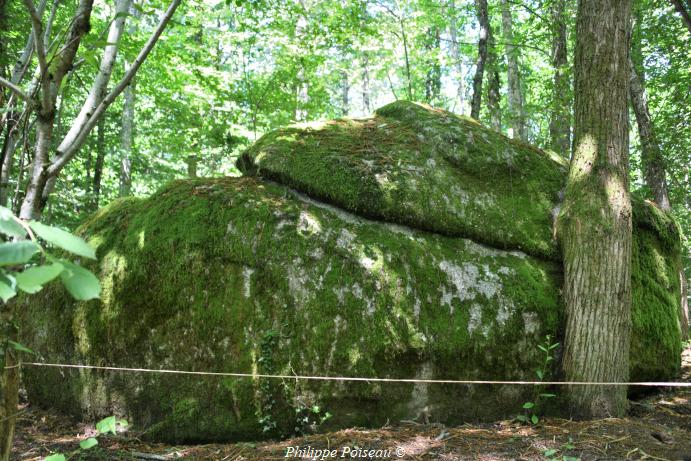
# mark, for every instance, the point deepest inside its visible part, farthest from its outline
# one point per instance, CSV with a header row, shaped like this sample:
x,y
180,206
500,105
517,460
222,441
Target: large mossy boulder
x,y
412,244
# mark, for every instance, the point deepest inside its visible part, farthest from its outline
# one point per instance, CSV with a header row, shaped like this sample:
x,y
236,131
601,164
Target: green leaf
x,y
9,226
522,418
20,347
528,405
33,278
63,239
534,419
548,396
12,253
88,443
56,457
539,373
571,458
109,425
6,291
550,452
80,282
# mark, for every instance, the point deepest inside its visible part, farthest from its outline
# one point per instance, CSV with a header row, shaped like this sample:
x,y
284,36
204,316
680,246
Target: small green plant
x,y
108,425
309,418
530,408
557,454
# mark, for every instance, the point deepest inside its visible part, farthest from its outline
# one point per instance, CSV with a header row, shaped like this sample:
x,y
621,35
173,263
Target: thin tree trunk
x,y
651,155
516,104
126,138
100,160
433,77
560,123
456,54
493,86
407,60
345,93
483,20
595,223
99,87
365,83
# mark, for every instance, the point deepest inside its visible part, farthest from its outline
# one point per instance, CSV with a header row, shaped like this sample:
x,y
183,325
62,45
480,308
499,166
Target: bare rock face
x,y
412,244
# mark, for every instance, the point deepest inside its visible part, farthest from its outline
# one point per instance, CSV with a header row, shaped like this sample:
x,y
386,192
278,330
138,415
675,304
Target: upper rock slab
x,y
425,168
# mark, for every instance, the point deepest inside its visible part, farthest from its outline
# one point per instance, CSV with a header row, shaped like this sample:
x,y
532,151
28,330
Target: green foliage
x,y
22,271
109,425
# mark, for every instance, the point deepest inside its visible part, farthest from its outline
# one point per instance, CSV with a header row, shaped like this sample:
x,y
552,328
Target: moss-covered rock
x,y
377,256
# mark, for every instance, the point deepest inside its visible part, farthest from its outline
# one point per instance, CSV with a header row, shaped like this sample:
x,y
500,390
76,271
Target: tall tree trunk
x,y
126,138
100,160
433,77
493,85
456,54
365,83
345,93
516,104
595,223
651,155
483,20
560,123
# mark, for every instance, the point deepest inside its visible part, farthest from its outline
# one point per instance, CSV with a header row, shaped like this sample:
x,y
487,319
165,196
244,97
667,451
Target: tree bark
x,y
365,83
493,85
433,77
100,160
126,138
595,222
127,126
345,94
456,53
651,155
560,123
516,104
100,85
483,20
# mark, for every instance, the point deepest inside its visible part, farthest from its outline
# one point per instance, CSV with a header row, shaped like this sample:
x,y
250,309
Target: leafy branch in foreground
x,y
26,265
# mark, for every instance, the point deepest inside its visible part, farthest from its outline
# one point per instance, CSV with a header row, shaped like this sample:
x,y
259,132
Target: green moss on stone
x,y
199,275
423,167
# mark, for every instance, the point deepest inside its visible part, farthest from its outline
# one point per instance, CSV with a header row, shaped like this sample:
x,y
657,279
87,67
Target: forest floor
x,y
658,428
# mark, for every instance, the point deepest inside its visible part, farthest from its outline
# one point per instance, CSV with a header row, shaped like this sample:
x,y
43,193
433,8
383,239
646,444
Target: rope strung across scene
x,y
346,378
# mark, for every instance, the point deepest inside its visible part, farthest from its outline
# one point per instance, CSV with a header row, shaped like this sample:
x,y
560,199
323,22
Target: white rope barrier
x,y
356,379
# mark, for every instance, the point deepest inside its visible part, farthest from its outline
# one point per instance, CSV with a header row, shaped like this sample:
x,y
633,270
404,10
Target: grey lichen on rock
x,y
414,243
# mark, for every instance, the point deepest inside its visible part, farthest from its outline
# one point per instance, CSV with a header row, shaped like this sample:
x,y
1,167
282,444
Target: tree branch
x,y
15,89
70,151
105,70
36,27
